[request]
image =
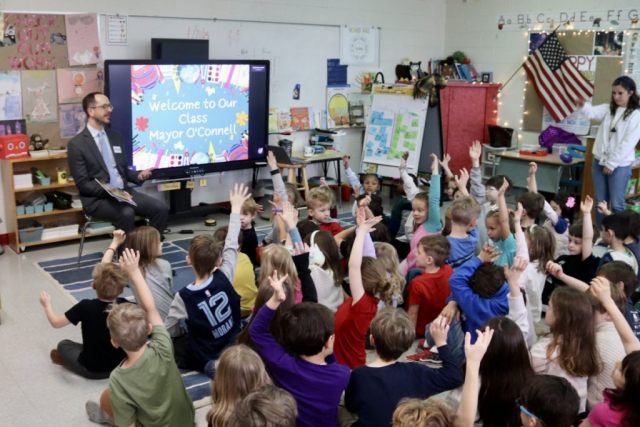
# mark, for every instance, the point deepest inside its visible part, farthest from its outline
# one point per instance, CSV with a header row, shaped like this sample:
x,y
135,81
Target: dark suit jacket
x,y
86,164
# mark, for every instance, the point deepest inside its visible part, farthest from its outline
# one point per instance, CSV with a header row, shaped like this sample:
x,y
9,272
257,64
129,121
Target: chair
x,y
88,221
292,171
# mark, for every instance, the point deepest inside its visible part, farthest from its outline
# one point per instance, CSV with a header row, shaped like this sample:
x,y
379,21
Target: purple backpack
x,y
553,135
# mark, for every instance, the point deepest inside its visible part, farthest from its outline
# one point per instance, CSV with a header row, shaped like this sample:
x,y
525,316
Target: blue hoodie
x,y
477,310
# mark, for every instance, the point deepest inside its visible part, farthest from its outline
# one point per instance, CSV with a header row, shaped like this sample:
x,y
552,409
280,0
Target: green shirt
x,y
151,392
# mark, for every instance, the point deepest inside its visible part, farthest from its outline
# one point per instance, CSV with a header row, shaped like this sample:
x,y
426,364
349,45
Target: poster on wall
x,y
577,19
608,43
33,42
72,120
83,40
75,83
576,123
338,106
358,45
10,95
39,103
632,55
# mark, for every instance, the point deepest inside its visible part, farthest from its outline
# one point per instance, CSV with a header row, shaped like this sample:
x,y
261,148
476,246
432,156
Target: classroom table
x,y
325,158
516,167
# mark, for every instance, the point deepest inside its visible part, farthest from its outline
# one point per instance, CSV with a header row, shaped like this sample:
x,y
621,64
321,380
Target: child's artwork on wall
x,y
33,42
83,41
76,83
72,120
10,95
12,127
40,96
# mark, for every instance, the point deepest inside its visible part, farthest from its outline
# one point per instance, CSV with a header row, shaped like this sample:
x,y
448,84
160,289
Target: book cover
x,y
284,121
116,193
337,106
473,72
300,119
273,120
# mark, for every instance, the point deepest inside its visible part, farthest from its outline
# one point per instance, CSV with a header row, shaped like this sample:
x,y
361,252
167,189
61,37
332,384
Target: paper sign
x,y
117,30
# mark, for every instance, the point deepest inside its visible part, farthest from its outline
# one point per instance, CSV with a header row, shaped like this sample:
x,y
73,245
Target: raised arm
x,y
118,239
410,187
601,289
532,184
355,259
276,177
597,113
354,181
478,190
521,242
517,309
556,271
474,353
433,224
301,261
237,196
587,227
129,262
461,181
341,236
503,211
56,320
445,165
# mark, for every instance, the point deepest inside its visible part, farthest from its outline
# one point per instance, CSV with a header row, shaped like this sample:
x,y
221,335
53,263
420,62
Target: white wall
x,y
410,28
471,27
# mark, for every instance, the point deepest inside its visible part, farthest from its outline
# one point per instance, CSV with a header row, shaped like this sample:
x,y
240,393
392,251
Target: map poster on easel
x,y
396,125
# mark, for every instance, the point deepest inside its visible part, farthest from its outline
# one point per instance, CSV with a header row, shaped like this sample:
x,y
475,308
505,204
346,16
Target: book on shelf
x,y
273,120
300,119
116,193
284,121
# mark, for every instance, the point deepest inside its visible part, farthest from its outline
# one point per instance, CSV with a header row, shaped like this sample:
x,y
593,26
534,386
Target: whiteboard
x,y
298,53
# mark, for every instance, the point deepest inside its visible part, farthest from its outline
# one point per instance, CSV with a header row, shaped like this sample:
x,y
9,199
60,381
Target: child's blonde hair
x,y
109,280
424,413
542,246
388,256
128,326
317,198
145,240
249,207
465,210
277,258
377,284
328,192
239,371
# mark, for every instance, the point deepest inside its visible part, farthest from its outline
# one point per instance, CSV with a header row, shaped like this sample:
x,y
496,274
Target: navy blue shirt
x,y
374,393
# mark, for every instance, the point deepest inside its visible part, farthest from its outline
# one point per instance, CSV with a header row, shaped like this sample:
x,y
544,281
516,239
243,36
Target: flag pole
x,y
495,97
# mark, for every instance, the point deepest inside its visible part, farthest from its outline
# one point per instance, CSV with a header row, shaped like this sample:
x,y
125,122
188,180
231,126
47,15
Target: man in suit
x,y
98,152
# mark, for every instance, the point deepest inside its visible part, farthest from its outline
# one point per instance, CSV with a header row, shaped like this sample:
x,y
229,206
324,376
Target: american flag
x,y
556,80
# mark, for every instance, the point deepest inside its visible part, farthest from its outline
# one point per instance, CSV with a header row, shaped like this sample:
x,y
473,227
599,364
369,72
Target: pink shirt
x,y
603,415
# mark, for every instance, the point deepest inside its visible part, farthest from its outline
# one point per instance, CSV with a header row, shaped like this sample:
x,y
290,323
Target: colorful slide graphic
x,y
189,114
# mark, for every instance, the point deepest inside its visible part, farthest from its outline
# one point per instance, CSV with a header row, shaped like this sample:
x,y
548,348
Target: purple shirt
x,y
316,388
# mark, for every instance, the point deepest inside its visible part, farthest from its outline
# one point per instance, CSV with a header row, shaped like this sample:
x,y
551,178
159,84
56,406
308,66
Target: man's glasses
x,y
106,107
525,410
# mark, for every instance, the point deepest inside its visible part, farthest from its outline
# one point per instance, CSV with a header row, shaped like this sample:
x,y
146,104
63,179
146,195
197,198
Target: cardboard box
x,y
14,146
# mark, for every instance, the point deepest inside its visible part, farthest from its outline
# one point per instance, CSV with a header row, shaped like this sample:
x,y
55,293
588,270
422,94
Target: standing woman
x,y
614,149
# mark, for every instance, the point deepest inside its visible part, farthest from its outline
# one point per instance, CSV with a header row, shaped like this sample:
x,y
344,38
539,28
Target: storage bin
x,y
30,232
43,181
29,210
20,210
38,208
48,207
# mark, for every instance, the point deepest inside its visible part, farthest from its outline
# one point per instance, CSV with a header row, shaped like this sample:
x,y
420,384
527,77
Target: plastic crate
x,y
38,208
48,207
30,232
19,210
43,181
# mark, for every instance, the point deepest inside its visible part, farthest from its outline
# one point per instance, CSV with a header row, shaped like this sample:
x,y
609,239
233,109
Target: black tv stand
x,y
180,205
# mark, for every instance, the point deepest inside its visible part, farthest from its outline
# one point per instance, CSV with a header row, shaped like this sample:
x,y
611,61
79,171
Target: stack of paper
x,y
23,180
75,201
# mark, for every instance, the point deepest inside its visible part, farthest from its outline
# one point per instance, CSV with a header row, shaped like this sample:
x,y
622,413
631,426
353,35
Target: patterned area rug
x,y
75,284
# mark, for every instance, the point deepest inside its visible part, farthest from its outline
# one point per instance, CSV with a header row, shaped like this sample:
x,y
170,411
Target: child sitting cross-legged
x,y
429,291
375,389
210,306
146,389
95,358
319,208
310,374
500,228
532,202
464,231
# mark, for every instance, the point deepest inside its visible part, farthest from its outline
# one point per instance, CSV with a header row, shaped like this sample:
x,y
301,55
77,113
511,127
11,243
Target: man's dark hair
x,y
308,326
89,101
619,224
553,400
487,280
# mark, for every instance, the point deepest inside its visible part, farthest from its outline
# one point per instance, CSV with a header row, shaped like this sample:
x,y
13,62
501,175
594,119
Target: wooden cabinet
x,y
466,110
54,218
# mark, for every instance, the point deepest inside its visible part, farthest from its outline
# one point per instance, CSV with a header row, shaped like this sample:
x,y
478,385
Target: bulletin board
x,y
607,69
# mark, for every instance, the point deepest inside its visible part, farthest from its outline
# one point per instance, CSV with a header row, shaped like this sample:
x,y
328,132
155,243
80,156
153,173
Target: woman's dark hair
x,y
634,101
628,399
505,370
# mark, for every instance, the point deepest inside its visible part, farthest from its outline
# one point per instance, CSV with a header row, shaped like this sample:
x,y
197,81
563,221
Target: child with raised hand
x,y
426,210
95,357
370,184
499,229
532,202
463,236
518,311
580,264
375,389
326,272
238,372
267,406
119,238
310,374
155,270
210,306
369,284
569,350
148,366
621,406
452,188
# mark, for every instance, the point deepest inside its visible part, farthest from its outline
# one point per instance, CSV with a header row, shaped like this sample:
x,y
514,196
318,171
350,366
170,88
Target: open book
x,y
116,193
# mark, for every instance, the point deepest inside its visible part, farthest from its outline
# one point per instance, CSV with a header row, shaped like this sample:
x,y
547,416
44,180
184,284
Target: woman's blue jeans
x,y
610,188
